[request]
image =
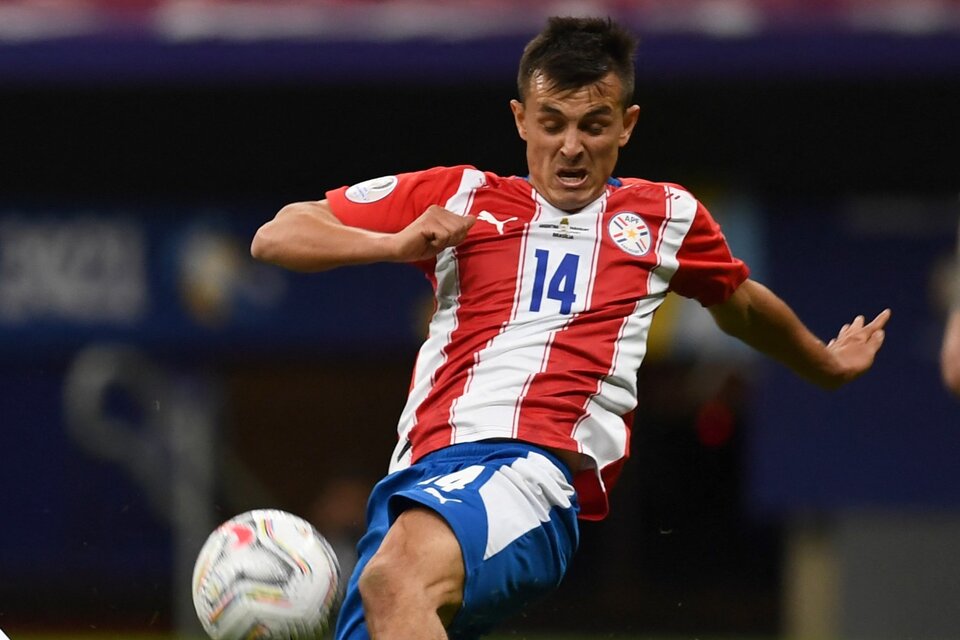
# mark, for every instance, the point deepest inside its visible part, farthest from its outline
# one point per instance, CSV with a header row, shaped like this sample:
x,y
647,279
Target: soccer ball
x,y
266,574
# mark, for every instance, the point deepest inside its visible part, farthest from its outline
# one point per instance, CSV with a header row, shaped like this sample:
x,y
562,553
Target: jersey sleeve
x,y
707,270
389,203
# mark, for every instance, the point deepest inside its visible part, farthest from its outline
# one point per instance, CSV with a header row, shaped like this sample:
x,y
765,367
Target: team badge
x,y
371,190
630,233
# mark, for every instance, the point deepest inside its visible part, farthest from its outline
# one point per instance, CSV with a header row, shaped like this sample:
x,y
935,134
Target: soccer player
x,y
519,412
950,351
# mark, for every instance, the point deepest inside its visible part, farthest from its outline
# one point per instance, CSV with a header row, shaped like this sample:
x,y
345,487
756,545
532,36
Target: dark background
x,y
780,138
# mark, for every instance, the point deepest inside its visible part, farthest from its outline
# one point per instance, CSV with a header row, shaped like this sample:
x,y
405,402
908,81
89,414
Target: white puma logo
x,y
436,494
486,216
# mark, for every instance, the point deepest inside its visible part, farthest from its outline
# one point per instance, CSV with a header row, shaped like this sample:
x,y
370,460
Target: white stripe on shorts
x,y
519,497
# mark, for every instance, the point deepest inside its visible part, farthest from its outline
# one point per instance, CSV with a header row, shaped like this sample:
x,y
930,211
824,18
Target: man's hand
x,y
856,346
758,317
435,230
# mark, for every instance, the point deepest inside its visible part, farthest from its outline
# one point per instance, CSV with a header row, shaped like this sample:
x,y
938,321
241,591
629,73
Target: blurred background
x,y
155,381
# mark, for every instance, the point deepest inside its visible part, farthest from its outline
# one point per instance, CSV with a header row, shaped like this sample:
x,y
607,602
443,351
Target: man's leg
x,y
413,585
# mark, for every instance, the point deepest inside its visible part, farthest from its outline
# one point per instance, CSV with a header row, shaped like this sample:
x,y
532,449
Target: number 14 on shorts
x,y
437,486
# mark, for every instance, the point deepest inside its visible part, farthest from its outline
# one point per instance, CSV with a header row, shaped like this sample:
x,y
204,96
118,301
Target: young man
x,y
519,413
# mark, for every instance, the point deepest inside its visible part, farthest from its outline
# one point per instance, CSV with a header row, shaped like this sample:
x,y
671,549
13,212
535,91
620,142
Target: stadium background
x,y
154,381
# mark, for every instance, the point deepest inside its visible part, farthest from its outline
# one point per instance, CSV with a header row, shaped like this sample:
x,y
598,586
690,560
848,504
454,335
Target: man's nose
x,y
572,144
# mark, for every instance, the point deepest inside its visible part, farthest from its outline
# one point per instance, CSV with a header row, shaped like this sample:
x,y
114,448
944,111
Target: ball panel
x,y
266,574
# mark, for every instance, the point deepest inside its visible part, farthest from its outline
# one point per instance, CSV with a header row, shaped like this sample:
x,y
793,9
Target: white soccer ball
x,y
266,574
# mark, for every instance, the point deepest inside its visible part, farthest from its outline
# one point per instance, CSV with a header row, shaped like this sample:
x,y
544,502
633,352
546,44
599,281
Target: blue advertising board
x,y
187,284
891,438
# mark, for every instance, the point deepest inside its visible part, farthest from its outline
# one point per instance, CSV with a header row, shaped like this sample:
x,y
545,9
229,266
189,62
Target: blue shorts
x,y
514,511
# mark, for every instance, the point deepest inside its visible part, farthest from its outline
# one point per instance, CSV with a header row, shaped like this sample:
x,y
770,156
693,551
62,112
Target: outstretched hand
x,y
856,346
435,230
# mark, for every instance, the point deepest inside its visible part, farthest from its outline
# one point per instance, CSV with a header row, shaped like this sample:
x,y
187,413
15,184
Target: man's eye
x,y
552,127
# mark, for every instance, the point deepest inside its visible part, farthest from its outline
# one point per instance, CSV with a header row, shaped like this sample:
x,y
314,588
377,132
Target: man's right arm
x,y
307,236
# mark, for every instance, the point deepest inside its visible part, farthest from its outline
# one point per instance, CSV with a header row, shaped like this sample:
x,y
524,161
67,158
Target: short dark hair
x,y
577,52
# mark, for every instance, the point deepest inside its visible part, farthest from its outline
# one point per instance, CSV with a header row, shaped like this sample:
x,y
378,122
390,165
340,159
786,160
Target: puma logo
x,y
486,216
436,494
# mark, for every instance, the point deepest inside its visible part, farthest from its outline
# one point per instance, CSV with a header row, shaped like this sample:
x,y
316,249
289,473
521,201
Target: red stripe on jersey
x,y
485,261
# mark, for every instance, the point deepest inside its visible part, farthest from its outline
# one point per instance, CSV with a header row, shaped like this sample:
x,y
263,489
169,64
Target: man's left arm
x,y
759,318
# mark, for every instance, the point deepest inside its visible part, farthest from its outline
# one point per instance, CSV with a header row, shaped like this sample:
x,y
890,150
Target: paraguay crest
x,y
630,233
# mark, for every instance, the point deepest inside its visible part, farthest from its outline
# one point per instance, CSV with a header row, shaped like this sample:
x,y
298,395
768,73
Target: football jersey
x,y
541,315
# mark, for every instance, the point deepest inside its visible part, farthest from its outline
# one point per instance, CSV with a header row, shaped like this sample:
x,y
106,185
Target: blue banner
x,y
890,438
186,283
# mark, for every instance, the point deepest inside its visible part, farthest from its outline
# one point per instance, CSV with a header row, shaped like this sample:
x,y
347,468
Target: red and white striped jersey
x,y
542,315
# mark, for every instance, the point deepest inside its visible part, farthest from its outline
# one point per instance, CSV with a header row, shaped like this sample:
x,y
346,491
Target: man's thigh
x,y
424,548
513,511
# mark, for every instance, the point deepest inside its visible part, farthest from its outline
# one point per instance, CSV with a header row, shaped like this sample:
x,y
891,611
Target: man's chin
x,y
570,201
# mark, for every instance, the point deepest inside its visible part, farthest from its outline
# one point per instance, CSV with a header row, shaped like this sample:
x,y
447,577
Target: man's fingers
x,y
858,331
859,323
447,231
881,320
461,227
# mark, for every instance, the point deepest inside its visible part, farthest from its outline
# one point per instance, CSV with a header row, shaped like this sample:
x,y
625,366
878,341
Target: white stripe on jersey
x,y
681,209
601,431
433,353
505,367
595,258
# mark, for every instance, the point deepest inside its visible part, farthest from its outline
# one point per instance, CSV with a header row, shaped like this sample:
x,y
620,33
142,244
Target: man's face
x,y
573,138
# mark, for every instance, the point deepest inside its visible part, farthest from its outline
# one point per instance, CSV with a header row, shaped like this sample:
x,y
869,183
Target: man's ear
x,y
630,117
518,116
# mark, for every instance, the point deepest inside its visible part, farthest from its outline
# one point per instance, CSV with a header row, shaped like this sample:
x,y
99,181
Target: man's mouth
x,y
572,177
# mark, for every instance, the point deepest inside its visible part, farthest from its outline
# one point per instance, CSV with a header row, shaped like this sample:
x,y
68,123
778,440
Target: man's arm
x,y
950,353
307,236
758,317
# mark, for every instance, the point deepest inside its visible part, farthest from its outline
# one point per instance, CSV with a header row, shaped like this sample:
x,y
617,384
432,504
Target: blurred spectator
x,y
950,352
727,16
338,514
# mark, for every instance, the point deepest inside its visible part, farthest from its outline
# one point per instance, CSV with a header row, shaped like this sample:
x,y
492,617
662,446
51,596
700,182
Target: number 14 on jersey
x,y
560,284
